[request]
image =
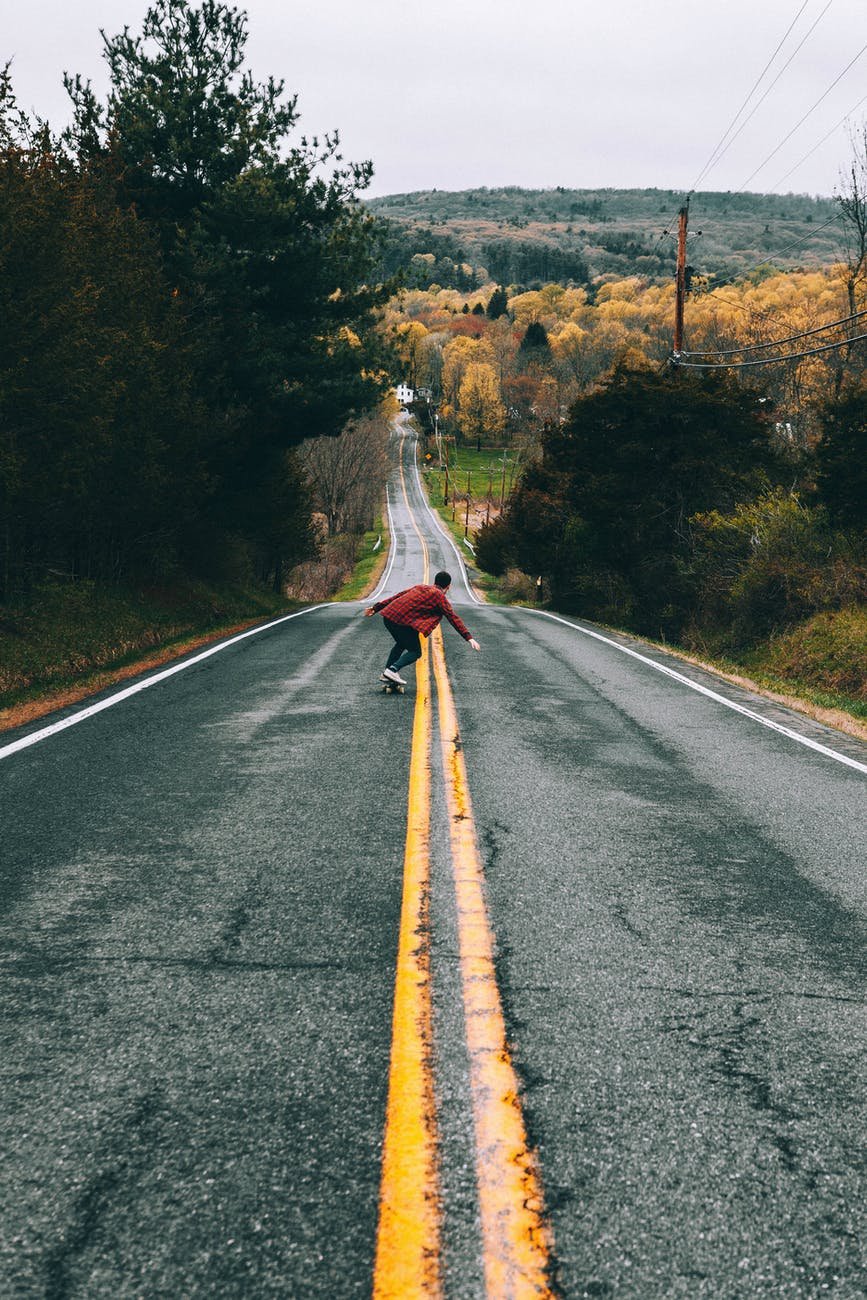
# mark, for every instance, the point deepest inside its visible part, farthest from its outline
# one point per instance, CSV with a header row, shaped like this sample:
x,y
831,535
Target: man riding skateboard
x,y
412,611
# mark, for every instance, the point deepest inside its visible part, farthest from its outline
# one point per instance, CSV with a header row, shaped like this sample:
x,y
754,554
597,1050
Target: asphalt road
x,y
201,895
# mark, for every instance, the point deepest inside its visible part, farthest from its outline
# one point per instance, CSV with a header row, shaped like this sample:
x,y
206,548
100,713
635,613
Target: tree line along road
x,y
545,978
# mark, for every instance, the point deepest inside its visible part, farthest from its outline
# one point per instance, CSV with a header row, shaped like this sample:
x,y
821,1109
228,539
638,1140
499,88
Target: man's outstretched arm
x,y
458,623
381,604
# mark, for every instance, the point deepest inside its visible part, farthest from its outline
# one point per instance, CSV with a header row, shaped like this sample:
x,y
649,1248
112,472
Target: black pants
x,y
406,648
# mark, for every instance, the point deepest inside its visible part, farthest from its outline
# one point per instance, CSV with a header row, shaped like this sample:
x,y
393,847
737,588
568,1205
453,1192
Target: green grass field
x,y
483,469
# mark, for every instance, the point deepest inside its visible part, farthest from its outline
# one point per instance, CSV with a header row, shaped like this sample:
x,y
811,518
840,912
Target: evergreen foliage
x,y
184,297
842,462
604,515
535,338
498,304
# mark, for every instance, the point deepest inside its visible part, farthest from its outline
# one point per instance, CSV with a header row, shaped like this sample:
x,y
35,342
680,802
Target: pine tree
x,y
535,338
498,304
842,464
271,257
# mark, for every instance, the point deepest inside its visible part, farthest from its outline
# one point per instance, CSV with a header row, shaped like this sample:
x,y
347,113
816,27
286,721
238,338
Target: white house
x,y
404,394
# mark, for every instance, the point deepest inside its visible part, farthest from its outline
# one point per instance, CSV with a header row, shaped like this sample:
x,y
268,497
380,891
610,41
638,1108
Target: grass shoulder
x,y
372,554
513,588
818,668
72,640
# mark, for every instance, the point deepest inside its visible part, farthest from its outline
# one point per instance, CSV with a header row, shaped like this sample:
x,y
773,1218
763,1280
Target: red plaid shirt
x,y
421,607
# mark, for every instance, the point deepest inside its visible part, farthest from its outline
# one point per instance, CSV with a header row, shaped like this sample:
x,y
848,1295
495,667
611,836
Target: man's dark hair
x,y
443,579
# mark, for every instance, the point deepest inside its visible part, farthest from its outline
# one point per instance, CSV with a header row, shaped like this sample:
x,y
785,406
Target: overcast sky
x,y
450,94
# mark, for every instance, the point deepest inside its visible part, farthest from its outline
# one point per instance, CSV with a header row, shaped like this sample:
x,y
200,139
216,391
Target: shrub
x,y
768,565
842,466
602,515
319,578
518,585
828,652
494,546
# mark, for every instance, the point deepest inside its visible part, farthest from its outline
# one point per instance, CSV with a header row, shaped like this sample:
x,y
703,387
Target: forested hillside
x,y
524,237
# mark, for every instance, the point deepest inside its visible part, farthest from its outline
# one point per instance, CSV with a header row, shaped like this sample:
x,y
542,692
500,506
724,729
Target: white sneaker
x,y
391,676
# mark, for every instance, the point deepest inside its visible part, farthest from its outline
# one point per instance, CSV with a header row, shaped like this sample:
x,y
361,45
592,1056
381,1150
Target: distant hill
x,y
523,237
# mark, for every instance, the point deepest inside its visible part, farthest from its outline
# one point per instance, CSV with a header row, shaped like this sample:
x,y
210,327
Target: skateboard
x,y
392,688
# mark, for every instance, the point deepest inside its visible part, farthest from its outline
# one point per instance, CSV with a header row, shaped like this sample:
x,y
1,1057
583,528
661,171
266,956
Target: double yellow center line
x,y
515,1239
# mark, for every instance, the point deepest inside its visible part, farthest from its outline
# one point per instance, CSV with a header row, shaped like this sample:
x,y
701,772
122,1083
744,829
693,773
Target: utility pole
x,y
436,425
503,483
467,519
680,280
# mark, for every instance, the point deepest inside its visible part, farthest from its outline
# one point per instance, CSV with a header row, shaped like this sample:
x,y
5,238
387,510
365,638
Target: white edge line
x,y
451,541
91,709
391,547
704,690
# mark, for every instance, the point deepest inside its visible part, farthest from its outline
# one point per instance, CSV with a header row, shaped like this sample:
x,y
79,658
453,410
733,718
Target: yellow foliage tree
x,y
409,337
482,413
569,348
630,321
459,353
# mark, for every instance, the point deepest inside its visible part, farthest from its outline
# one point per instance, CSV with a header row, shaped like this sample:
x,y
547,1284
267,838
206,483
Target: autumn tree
x,y
431,362
481,413
409,338
521,392
458,354
568,347
346,473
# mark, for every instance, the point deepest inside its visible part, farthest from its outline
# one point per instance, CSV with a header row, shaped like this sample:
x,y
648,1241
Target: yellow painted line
x,y
516,1240
408,1235
408,1244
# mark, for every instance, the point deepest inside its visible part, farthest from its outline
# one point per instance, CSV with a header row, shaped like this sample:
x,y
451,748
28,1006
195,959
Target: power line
x,y
800,123
821,142
751,311
767,361
774,343
713,158
787,248
761,101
